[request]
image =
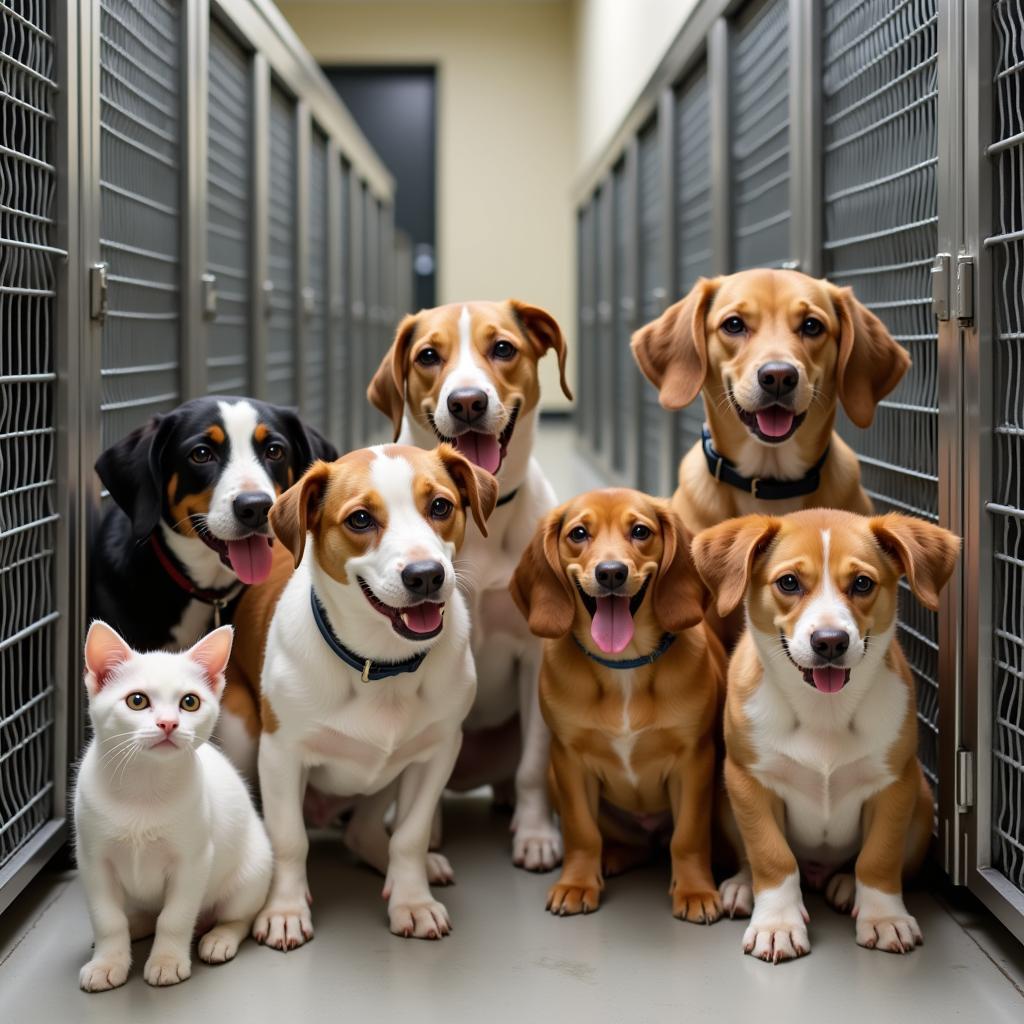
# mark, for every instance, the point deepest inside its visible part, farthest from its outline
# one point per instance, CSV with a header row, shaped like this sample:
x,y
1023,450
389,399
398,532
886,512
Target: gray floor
x,y
507,960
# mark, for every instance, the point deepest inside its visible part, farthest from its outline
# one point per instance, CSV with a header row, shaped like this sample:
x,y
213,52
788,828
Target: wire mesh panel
x,y
623,311
281,251
604,327
371,284
879,66
692,215
1007,500
652,295
315,368
360,369
341,337
28,489
587,362
228,212
140,190
760,136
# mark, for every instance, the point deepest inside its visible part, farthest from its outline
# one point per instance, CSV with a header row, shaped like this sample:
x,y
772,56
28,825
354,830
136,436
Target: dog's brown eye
x,y
640,532
503,349
441,508
190,702
200,454
428,357
274,452
137,701
734,325
862,585
812,327
578,534
788,584
360,521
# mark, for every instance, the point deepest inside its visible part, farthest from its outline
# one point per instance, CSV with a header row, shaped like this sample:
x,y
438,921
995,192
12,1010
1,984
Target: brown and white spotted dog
x,y
189,528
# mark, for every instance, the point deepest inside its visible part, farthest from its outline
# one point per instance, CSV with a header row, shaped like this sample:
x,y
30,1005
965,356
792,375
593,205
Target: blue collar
x,y
505,499
763,487
368,671
666,641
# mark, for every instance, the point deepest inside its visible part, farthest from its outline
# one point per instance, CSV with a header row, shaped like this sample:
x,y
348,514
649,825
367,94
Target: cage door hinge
x,y
98,292
965,288
964,780
940,285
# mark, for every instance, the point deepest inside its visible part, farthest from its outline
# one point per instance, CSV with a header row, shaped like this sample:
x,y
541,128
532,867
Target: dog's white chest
x,y
624,739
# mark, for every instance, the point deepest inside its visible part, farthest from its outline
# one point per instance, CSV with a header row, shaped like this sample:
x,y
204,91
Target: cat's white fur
x,y
165,828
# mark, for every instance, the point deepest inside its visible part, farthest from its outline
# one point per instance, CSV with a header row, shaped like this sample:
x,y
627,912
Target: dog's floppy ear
x,y
307,443
725,555
678,597
539,586
297,511
386,390
925,553
542,330
672,351
131,471
870,362
478,488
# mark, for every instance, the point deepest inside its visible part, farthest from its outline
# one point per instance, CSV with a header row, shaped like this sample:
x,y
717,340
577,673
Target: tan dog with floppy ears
x,y
774,352
467,373
631,687
821,717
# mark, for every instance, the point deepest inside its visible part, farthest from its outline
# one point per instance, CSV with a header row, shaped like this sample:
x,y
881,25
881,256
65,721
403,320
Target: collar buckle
x,y
367,666
753,486
718,468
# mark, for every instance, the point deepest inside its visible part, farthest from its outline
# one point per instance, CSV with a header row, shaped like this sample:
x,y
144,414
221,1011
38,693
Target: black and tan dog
x,y
189,529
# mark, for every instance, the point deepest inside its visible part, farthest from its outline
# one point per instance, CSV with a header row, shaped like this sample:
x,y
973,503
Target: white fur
x,y
778,925
354,739
626,739
508,656
883,921
164,832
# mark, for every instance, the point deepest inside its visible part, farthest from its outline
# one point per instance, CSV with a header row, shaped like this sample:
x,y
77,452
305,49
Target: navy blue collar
x,y
666,641
505,499
368,671
763,487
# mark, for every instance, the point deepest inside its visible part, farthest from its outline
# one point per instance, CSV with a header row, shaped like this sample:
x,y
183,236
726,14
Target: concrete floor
x,y
508,960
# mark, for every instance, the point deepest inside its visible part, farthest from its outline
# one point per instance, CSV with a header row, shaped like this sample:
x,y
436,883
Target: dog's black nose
x,y
830,643
424,579
778,379
251,508
467,404
611,575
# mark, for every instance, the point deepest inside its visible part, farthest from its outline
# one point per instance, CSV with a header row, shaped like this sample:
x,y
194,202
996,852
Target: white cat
x,y
165,829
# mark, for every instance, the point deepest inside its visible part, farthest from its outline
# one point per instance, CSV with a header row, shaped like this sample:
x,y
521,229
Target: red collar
x,y
217,598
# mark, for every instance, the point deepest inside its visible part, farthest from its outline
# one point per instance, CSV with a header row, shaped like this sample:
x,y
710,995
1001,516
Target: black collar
x,y
219,599
506,498
666,641
762,487
368,671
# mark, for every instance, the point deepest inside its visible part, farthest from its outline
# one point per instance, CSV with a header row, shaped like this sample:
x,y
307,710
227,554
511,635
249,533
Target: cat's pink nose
x,y
167,724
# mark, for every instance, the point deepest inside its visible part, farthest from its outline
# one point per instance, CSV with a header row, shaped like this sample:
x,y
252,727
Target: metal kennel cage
x,y
186,207
880,143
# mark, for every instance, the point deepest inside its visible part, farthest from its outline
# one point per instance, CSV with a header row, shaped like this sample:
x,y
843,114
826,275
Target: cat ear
x,y
212,653
105,650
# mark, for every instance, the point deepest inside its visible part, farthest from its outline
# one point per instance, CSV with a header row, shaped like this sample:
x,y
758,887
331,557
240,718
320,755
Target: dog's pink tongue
x,y
774,421
612,625
251,558
481,449
423,618
828,679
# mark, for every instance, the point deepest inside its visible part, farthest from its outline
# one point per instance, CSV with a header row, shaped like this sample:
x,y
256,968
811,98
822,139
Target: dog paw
x,y
283,926
102,973
737,896
426,919
565,898
218,946
704,907
776,940
898,934
439,870
167,968
839,892
537,848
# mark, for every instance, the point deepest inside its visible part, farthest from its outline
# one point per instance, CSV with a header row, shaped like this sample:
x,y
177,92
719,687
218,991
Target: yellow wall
x,y
506,136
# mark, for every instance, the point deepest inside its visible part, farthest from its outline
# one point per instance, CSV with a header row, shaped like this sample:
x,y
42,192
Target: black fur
x,y
129,588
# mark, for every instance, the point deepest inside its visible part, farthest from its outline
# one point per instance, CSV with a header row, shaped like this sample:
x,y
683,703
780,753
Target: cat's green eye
x,y
137,701
190,702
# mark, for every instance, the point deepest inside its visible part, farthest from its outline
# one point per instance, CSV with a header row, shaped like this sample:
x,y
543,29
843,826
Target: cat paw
x,y
218,946
283,926
439,870
419,920
102,973
167,968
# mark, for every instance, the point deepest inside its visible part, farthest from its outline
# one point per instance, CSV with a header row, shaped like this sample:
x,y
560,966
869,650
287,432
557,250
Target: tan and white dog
x,y
821,717
364,668
467,373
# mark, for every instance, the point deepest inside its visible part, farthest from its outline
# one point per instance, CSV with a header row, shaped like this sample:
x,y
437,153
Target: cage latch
x,y
965,288
98,292
940,285
208,284
964,780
